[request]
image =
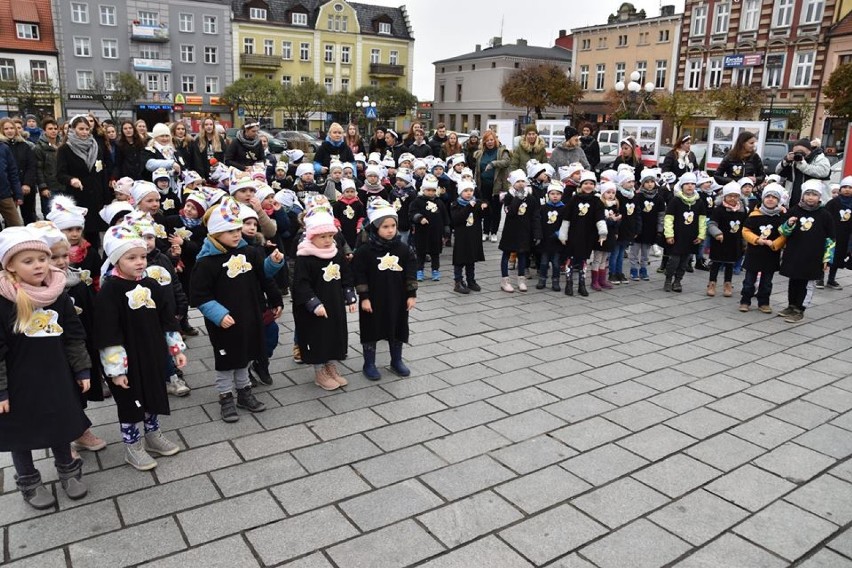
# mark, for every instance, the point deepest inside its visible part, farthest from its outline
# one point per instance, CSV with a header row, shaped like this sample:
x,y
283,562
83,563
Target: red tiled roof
x,y
28,11
25,11
843,27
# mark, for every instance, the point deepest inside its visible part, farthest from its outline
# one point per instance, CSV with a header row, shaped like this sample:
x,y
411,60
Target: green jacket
x,y
500,166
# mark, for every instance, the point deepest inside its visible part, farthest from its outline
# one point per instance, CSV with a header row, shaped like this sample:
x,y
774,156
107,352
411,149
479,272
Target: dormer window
x,y
384,28
299,19
257,14
26,31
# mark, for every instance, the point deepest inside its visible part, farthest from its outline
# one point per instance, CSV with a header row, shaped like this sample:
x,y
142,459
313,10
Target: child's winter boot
x,y
596,280
33,492
247,400
522,283
581,283
569,282
505,285
603,281
555,283
397,365
643,274
369,369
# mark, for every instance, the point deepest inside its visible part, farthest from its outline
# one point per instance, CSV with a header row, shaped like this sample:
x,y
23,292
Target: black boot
x,y
247,400
369,369
689,267
581,283
33,492
397,365
473,286
70,476
261,370
667,287
542,283
228,408
555,283
569,282
676,287
701,264
186,329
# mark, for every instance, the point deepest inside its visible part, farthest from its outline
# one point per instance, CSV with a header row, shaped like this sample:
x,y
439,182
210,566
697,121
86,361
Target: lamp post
x,y
366,104
633,91
773,92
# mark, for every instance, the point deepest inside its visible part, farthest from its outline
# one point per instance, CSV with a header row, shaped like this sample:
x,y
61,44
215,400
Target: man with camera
x,y
801,164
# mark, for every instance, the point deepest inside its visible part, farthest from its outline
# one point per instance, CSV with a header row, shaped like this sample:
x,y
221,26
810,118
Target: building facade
x,y
28,59
180,50
832,129
339,45
607,54
778,45
467,87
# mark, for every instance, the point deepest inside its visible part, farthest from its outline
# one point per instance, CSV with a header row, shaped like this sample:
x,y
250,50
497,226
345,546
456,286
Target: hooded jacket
x,y
24,158
45,155
563,155
526,152
10,182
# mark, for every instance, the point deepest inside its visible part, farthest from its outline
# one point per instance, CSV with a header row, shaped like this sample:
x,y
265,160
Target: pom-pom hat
x,y
319,221
18,239
846,182
113,210
378,210
65,213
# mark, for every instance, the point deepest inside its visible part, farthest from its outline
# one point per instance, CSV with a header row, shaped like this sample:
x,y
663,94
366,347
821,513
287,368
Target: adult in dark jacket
x,y
377,142
26,162
394,146
438,139
45,153
742,161
245,149
208,145
801,164
471,147
131,148
680,159
530,148
590,147
627,155
182,141
80,169
10,188
334,147
419,147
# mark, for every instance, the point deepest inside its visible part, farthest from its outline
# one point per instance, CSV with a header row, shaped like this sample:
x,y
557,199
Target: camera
x,y
798,156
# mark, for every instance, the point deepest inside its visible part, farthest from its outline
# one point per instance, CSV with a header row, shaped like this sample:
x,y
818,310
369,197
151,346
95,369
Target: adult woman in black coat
x,y
742,161
208,145
590,146
377,142
680,159
25,159
182,141
131,145
80,169
628,156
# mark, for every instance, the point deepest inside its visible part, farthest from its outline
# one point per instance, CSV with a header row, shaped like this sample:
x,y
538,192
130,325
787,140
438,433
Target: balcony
x,y
386,69
260,61
153,34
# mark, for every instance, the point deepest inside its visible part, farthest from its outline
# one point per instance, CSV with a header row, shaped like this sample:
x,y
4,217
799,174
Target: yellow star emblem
x,y
237,265
140,297
331,272
390,262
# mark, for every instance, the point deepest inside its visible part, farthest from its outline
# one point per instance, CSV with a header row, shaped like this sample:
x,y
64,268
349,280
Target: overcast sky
x,y
446,28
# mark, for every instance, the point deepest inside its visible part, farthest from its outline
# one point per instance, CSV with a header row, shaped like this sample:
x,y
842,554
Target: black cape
x,y
429,238
803,254
467,226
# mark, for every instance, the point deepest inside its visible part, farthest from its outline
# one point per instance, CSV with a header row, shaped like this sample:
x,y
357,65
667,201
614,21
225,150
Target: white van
x,y
608,137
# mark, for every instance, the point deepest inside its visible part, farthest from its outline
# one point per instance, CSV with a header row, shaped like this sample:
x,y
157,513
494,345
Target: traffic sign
x,y
371,113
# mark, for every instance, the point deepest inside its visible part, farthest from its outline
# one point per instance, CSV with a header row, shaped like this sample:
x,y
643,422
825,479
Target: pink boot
x,y
596,280
605,283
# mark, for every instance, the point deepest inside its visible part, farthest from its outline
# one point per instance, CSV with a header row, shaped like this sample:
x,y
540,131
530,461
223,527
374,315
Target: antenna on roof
x,y
502,19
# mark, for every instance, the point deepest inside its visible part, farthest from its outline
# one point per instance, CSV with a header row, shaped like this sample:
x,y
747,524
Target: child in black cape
x,y
585,225
650,210
602,250
810,246
373,186
466,218
683,227
402,195
553,213
135,327
430,223
628,227
231,289
349,212
385,281
840,208
44,365
521,227
763,251
725,228
323,291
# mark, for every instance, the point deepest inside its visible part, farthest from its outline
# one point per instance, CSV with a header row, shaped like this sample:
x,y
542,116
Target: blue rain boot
x,y
643,274
397,365
420,276
436,275
369,369
634,274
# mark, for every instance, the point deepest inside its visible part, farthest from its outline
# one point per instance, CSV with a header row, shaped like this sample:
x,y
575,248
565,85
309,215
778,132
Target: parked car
x,y
773,152
609,152
299,140
608,137
836,170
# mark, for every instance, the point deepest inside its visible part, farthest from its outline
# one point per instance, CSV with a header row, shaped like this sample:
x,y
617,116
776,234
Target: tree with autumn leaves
x,y
539,87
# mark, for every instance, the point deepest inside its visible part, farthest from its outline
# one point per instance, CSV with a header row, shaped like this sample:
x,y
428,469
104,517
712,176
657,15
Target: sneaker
x,y
136,456
89,442
746,307
795,317
494,238
228,407
177,387
765,309
247,400
436,275
335,374
484,237
833,285
820,284
297,354
156,443
325,380
473,286
261,372
643,274
786,312
420,276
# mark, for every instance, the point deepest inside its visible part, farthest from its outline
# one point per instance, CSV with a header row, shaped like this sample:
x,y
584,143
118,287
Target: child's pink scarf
x,y
307,248
41,296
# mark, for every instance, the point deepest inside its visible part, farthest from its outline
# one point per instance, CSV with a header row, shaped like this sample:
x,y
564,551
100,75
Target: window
x,y
394,58
584,77
82,47
345,54
742,76
108,17
269,76
287,80
304,51
299,19
587,44
721,17
257,14
442,95
248,75
384,28
248,45
85,80
458,93
148,18
693,74
619,71
152,82
211,24
287,49
187,54
812,14
600,76
149,52
714,73
643,38
38,71
186,23
26,31
187,83
660,74
664,36
211,55
111,80
783,14
622,40
268,47
774,72
345,24
7,70
79,13
344,84
329,85
803,68
329,53
375,55
374,82
750,17
601,43
109,48
303,79
337,23
642,67
211,85
699,21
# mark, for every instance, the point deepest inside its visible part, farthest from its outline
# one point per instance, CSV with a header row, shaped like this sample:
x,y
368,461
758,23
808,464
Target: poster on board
x,y
505,131
552,132
722,134
647,134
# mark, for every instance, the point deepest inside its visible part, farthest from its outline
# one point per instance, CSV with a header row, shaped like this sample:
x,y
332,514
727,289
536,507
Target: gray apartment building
x,y
467,87
179,50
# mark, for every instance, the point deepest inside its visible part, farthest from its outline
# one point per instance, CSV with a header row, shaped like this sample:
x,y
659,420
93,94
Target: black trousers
x,y
797,290
676,266
714,270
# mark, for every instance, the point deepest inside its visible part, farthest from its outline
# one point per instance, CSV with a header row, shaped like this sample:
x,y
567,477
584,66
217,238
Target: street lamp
x,y
773,92
366,104
633,89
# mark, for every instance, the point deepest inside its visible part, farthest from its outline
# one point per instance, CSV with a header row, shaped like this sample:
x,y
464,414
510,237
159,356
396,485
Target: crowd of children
x,y
80,325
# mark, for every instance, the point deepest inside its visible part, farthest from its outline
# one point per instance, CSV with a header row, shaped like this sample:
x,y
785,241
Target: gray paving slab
x,y
533,454
640,544
619,502
381,549
590,433
467,519
794,463
319,489
526,492
698,517
826,559
230,516
408,433
488,551
44,533
231,552
785,530
166,499
467,477
467,444
677,474
603,464
256,474
731,550
827,497
399,465
128,546
390,504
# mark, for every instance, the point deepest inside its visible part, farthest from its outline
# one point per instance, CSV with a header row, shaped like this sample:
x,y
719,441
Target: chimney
x,y
522,42
478,47
563,33
496,41
667,10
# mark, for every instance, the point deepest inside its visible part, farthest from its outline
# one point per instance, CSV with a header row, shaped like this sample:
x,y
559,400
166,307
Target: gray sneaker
x,y
135,455
177,386
157,443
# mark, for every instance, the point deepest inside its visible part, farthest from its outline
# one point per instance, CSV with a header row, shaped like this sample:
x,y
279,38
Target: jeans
x,y
504,264
677,266
639,256
616,258
469,269
764,288
549,260
23,459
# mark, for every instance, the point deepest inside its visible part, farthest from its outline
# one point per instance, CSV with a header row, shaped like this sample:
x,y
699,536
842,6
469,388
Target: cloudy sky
x,y
446,28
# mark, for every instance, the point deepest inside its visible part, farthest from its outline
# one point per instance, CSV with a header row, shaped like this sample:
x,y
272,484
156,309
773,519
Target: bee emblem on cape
x,y
389,262
431,207
397,204
331,272
470,220
583,208
845,215
806,223
735,226
43,323
237,265
552,216
765,231
688,217
522,209
349,212
649,206
140,297
160,274
630,207
86,277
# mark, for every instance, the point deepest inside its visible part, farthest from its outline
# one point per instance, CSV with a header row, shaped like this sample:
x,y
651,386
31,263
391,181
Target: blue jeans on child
x,y
616,258
522,264
764,288
549,260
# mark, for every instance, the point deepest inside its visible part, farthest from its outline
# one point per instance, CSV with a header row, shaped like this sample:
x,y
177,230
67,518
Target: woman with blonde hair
x,y
182,141
451,147
207,146
492,170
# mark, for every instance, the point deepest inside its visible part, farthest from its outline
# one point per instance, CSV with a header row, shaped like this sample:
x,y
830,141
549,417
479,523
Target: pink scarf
x,y
40,296
307,248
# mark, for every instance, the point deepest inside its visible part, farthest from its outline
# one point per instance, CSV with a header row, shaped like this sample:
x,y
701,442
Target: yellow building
x,y
339,45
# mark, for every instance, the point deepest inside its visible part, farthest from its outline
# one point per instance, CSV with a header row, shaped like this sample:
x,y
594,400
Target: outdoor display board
x,y
721,135
552,132
505,131
647,134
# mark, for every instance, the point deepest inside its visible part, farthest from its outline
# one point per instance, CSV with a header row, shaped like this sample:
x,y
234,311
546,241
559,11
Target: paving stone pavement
x,y
629,429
